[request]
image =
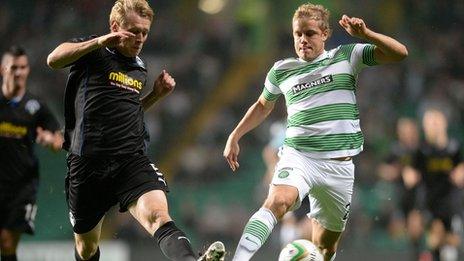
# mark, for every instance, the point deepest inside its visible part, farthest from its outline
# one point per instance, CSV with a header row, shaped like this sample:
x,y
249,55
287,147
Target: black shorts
x,y
94,185
411,199
18,207
445,208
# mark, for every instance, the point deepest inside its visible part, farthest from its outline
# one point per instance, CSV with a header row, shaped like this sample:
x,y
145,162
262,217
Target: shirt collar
x,y
322,56
137,61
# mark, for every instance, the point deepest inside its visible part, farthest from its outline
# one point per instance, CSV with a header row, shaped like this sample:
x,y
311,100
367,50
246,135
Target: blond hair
x,y
314,12
122,7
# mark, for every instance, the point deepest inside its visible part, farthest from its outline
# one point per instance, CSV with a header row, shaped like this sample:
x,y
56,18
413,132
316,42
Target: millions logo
x,y
125,81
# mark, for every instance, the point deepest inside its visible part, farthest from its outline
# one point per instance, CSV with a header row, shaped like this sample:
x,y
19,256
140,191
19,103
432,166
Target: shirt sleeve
x,y
46,119
271,90
87,57
362,56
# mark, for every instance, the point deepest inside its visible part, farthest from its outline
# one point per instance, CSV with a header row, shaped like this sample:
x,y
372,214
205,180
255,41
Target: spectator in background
x,y
24,120
439,162
397,169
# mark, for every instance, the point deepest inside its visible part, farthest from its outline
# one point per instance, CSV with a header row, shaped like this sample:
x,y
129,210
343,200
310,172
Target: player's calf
x,y
88,256
173,242
86,250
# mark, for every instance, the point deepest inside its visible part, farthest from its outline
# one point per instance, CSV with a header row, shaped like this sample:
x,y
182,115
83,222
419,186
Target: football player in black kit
x,y
24,120
106,137
440,164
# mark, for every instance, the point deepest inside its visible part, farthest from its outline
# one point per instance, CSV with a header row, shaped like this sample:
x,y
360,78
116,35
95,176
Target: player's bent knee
x,y
86,249
157,216
155,219
278,204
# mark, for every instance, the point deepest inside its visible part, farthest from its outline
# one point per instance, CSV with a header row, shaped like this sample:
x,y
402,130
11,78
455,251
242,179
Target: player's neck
x,y
124,53
439,141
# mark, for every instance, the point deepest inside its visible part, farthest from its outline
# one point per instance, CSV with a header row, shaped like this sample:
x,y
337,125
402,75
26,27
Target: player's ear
x,y
325,35
114,27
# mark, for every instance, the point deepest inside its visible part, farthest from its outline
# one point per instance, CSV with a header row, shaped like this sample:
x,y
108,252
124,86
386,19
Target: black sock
x,y
174,243
8,257
95,257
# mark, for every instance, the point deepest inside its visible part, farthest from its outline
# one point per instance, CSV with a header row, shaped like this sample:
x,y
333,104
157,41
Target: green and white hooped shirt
x,y
323,118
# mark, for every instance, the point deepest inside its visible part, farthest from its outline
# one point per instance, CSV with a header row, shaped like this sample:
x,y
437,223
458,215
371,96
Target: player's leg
x,y
326,240
330,199
17,216
151,211
305,228
288,229
415,230
143,192
279,200
436,237
8,244
296,224
87,176
87,244
443,239
288,188
450,249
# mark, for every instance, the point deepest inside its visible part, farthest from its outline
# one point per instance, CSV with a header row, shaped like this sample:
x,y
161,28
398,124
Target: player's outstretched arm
x,y
163,86
387,49
254,116
67,53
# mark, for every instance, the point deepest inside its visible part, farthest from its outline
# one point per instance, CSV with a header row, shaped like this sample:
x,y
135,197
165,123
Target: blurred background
x,y
219,52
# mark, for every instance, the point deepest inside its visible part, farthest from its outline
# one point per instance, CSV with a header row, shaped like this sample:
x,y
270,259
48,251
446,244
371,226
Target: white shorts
x,y
328,183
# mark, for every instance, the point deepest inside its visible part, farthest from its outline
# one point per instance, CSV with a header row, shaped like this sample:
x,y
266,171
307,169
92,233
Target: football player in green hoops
x,y
323,131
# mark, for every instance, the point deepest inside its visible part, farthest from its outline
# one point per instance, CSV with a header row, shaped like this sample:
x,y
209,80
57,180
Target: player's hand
x,y
457,176
231,152
354,26
49,139
8,73
410,177
164,84
114,39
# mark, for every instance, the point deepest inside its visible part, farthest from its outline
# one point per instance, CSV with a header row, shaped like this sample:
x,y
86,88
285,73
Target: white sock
x,y
288,232
255,233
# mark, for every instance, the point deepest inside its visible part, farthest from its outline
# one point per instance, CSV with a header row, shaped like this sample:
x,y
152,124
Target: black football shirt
x,y
103,112
19,120
401,155
436,165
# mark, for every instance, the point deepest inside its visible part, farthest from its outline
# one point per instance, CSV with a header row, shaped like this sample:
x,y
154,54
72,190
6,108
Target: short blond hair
x,y
122,7
314,12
